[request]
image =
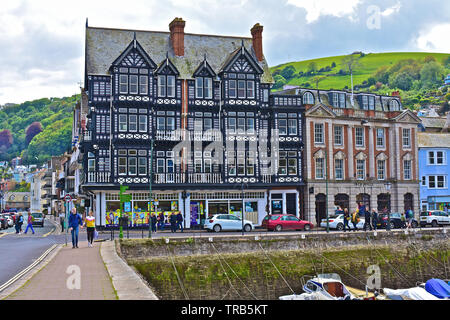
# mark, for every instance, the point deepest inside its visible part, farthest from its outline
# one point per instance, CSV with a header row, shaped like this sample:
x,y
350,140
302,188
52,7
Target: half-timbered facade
x,y
193,116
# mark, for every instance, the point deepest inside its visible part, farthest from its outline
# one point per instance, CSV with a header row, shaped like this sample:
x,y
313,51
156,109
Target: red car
x,y
280,222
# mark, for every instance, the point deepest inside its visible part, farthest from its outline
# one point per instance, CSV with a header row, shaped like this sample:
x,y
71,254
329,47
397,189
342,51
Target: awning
x,y
437,199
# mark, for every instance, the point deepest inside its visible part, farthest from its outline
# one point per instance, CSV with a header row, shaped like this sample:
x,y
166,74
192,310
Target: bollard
x,y
303,236
210,239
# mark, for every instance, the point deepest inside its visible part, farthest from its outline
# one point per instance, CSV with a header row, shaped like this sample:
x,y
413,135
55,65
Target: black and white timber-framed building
x,y
221,139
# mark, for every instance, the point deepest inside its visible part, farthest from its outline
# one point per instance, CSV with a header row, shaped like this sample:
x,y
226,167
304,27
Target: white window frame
x,y
250,89
134,84
123,166
338,132
319,133
360,172
123,83
123,125
292,127
339,169
406,138
133,122
142,164
381,170
162,86
143,125
320,168
359,137
143,84
308,98
171,87
383,138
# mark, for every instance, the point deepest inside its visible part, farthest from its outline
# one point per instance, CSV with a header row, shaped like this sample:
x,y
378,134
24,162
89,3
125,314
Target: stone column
x,y
371,154
350,155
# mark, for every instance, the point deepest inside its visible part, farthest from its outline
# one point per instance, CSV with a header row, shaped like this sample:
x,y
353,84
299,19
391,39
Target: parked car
x,y
396,221
280,222
38,218
434,218
11,219
337,222
219,222
3,222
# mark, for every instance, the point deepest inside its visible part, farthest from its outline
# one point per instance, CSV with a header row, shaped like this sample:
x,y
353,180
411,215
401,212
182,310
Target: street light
x,y
150,191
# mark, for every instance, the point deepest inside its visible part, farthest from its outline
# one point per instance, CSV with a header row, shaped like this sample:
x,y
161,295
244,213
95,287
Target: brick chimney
x,y
396,94
257,40
177,36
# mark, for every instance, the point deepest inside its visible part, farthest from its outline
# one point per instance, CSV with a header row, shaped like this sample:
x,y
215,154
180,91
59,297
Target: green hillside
x,y
417,75
55,117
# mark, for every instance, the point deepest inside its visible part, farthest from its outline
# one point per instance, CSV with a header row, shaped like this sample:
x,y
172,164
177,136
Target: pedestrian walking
x,y
62,218
180,221
409,218
346,219
89,222
29,222
19,222
173,222
75,222
153,221
374,219
403,220
367,215
355,220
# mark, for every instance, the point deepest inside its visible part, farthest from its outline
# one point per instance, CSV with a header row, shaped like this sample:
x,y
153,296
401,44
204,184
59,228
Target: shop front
x,y
138,209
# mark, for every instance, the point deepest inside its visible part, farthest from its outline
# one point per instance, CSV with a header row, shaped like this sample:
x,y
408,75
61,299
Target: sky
x,y
42,41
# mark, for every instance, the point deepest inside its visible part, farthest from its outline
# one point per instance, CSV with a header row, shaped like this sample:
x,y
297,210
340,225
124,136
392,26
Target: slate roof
x,y
433,140
104,45
432,122
381,102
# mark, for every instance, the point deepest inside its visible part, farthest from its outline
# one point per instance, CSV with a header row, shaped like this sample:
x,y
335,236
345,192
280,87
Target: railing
x,y
339,112
380,115
266,179
99,177
168,135
205,135
169,178
204,178
359,114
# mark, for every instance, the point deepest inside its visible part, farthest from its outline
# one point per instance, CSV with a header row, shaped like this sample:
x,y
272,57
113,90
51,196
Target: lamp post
x,y
150,178
388,188
326,188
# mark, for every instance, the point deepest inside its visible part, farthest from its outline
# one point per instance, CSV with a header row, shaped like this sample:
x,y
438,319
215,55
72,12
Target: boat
x,y
415,293
438,288
325,286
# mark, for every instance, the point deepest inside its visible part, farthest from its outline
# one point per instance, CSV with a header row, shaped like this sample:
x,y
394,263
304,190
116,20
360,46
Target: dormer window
x,y
368,103
394,105
308,98
166,86
203,87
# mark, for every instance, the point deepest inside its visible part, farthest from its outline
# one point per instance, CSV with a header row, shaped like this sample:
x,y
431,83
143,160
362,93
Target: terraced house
x,y
360,147
193,115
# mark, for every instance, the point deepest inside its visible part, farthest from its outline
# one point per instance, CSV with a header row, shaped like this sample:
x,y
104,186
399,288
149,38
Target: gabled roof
x,y
433,140
139,54
204,69
167,65
320,110
240,53
104,46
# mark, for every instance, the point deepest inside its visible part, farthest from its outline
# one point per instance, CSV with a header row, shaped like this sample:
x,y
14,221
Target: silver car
x,y
38,219
221,222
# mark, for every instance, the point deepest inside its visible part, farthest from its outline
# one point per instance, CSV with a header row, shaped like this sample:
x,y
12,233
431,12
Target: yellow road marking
x,y
48,233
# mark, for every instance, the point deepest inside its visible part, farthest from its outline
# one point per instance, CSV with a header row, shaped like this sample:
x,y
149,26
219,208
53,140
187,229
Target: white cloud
x,y
317,8
392,10
435,39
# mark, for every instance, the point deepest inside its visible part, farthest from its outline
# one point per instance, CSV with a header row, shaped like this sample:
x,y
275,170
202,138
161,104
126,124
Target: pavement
x,y
73,274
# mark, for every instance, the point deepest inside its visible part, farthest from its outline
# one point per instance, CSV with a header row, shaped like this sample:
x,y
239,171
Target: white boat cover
x,y
306,296
415,293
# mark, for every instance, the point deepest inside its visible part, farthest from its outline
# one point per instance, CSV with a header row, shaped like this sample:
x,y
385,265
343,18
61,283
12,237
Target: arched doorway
x,y
321,213
364,198
342,200
384,201
408,200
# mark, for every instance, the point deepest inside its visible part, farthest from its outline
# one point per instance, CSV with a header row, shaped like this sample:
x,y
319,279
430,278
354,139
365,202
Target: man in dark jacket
x,y
153,221
366,214
180,221
75,221
374,219
173,222
19,222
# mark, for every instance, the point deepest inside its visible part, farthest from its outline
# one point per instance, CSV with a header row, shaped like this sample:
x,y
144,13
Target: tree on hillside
x,y
446,62
32,130
431,74
288,72
429,59
401,80
318,79
312,67
280,81
6,140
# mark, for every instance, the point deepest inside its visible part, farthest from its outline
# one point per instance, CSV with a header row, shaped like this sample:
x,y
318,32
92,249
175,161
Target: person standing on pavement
x,y
374,219
62,218
90,228
161,221
409,217
346,219
75,221
29,222
153,220
173,222
180,221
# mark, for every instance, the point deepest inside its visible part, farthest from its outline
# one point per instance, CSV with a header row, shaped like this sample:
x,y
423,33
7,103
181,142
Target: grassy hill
x,y
369,64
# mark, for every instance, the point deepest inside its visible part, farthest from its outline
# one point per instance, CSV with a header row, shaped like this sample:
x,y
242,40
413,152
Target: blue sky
x,y
42,41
